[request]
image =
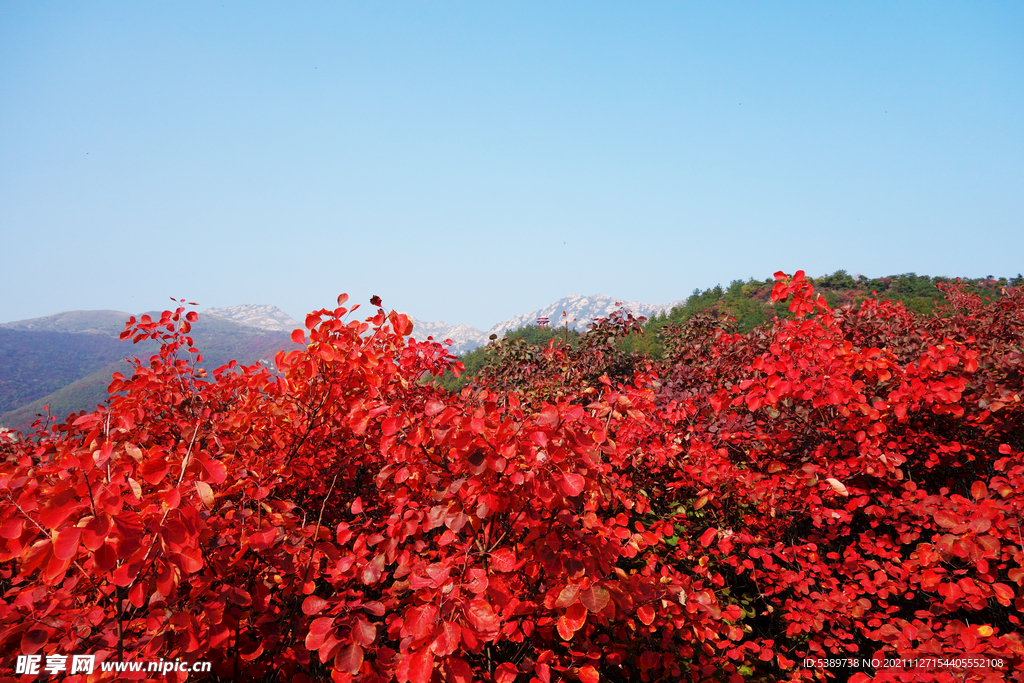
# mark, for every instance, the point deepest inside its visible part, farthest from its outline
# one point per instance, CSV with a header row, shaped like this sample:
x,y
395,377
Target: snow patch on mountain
x,y
580,310
464,337
264,317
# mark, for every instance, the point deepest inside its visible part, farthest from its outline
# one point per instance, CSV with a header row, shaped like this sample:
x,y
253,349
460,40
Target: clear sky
x,y
471,161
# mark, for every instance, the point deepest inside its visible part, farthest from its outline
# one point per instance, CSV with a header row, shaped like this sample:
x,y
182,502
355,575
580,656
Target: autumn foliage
x,y
841,483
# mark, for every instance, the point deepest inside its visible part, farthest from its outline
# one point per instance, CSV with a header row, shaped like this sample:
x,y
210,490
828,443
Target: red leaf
x,y
548,417
503,560
447,640
349,658
154,469
12,528
218,473
420,667
481,616
375,300
567,596
364,632
318,630
34,639
342,298
588,674
205,494
564,629
312,320
572,484
433,407
313,604
979,490
708,536
58,509
298,336
137,595
574,617
646,614
419,621
65,546
506,673
946,519
595,598
458,670
391,425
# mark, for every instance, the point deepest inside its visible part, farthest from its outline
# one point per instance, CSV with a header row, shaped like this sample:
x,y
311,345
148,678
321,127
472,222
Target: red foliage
x,y
842,484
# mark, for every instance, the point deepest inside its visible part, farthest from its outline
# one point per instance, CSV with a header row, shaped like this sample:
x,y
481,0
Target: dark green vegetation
x,y
748,304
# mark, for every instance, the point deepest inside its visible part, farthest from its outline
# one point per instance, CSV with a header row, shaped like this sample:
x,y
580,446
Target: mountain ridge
x,y
579,311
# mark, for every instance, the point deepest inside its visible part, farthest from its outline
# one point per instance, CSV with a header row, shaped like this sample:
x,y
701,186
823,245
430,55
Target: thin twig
x,y
316,532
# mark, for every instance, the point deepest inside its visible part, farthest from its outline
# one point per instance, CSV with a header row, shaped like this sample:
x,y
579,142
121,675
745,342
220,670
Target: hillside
x,y
749,303
34,364
69,370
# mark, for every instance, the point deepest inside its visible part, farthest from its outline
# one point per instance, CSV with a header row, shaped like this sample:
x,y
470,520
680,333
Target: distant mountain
x,y
87,322
34,364
464,337
264,317
66,360
579,310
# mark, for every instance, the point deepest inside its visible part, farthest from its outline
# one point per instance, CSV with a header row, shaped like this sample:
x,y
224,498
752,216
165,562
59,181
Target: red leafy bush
x,y
841,484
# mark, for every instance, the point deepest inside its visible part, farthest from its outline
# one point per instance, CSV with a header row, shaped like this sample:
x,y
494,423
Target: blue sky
x,y
471,161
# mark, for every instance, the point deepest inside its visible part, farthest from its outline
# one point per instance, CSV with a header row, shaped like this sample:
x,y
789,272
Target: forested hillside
x,y
749,304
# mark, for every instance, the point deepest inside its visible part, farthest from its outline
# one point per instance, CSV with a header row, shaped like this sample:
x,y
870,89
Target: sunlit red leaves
x,y
391,425
318,631
503,560
206,494
313,604
416,667
571,484
459,523
65,545
548,417
482,617
505,673
448,635
595,598
837,486
572,621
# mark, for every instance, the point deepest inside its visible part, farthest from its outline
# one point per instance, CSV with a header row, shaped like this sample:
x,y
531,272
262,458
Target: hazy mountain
x,y
464,337
579,310
35,363
86,322
264,317
65,360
